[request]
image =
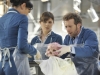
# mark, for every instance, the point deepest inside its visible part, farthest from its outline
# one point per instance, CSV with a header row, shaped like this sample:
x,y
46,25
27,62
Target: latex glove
x,y
29,56
37,56
63,50
35,46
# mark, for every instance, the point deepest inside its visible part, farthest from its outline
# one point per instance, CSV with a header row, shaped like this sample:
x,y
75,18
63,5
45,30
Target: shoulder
x,y
16,16
22,17
34,38
67,37
88,32
57,38
19,18
55,34
66,40
33,41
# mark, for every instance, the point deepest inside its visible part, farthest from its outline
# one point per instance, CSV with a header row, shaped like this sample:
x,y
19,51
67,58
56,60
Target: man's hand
x,y
63,50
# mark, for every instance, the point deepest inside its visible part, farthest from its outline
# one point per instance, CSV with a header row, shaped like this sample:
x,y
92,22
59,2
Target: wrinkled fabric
x,y
90,44
58,66
14,32
21,62
41,47
7,70
86,66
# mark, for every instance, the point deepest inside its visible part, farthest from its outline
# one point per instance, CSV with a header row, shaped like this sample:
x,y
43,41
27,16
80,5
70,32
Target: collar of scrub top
x,y
12,10
40,32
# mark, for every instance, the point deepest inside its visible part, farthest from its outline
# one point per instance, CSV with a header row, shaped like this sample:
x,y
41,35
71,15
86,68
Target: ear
x,y
23,6
40,23
79,25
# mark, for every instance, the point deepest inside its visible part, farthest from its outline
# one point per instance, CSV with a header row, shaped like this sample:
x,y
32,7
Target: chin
x,y
46,30
72,35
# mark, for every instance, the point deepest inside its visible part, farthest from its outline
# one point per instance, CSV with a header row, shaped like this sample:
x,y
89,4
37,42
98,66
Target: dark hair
x,y
76,17
46,16
19,2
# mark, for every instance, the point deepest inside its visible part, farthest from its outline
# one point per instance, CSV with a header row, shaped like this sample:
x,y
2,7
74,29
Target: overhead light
x,y
93,15
44,0
78,1
76,5
77,9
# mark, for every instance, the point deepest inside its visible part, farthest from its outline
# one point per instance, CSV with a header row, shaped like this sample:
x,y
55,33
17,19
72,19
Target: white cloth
x,y
58,66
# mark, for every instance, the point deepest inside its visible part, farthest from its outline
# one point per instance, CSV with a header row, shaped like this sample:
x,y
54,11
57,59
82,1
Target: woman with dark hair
x,y
13,32
46,35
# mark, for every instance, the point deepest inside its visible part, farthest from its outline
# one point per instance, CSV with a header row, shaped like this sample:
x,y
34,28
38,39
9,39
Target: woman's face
x,y
47,26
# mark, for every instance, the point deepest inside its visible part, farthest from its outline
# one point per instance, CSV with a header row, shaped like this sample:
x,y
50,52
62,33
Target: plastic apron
x,y
86,65
21,62
41,47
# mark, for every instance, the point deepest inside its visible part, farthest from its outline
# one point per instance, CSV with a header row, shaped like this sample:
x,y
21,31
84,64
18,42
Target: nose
x,y
68,30
46,24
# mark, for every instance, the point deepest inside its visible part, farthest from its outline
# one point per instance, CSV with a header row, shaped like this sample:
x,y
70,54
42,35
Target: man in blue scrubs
x,y
83,45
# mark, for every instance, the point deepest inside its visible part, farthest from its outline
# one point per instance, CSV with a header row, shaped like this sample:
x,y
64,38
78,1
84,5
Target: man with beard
x,y
83,45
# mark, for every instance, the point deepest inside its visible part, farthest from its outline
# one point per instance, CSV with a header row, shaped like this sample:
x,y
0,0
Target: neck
x,y
18,9
79,30
45,33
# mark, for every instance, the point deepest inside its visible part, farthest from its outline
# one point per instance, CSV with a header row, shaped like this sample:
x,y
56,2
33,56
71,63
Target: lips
x,y
69,33
47,28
